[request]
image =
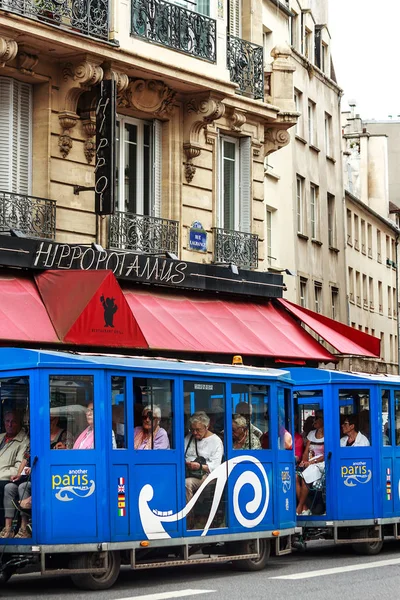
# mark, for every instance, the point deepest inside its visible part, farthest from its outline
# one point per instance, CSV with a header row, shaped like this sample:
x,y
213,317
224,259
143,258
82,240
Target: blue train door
x,y
357,445
144,470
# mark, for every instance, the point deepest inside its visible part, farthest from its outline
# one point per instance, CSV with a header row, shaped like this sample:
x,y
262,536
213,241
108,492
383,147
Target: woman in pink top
x,y
85,441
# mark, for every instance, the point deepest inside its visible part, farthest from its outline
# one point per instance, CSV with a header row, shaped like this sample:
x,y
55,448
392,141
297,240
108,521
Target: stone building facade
x,y
199,107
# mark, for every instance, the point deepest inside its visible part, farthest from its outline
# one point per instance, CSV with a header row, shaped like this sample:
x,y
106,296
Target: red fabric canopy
x,y
23,318
343,338
194,324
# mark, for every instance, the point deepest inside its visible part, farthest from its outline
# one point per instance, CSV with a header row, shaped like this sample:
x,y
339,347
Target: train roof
x,y
23,358
309,376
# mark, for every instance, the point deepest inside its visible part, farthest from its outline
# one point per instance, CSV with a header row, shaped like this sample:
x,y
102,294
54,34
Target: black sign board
x,y
105,149
139,268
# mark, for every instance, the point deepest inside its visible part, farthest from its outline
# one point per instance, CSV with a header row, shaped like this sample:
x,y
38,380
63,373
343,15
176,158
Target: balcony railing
x,y
144,234
35,217
174,27
236,247
90,17
245,62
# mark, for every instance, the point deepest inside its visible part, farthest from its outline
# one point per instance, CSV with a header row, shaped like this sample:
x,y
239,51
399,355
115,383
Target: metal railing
x,y
245,62
90,17
175,27
35,217
144,234
235,247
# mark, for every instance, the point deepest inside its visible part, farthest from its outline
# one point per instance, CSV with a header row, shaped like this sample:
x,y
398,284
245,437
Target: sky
x,y
365,51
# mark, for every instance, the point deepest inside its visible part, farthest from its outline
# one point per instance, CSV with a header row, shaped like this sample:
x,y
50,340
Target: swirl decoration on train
x,y
254,510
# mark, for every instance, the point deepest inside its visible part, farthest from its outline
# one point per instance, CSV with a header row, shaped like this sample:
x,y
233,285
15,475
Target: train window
x,y
250,429
285,440
153,414
71,412
203,449
118,411
386,418
355,426
397,415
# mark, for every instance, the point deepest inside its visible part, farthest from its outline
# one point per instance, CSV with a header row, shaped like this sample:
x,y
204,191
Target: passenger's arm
x,y
215,457
304,458
19,458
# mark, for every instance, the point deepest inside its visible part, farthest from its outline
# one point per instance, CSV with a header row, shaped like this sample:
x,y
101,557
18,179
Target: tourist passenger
x,y
241,437
246,409
85,441
313,455
351,435
203,452
149,435
13,444
60,439
19,486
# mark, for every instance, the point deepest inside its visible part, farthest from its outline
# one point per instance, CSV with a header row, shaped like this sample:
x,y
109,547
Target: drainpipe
x,y
397,304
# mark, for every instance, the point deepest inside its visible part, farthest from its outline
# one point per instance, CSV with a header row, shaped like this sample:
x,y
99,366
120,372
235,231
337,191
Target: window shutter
x,y
15,136
157,166
235,17
245,185
5,134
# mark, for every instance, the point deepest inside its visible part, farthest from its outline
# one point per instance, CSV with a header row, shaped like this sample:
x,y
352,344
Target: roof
x,y
309,376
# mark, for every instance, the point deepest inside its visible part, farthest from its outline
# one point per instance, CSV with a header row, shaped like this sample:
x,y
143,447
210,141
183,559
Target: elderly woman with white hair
x,y
149,435
203,452
242,437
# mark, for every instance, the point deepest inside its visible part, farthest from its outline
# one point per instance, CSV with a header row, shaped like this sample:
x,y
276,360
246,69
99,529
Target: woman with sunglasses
x,y
351,435
149,435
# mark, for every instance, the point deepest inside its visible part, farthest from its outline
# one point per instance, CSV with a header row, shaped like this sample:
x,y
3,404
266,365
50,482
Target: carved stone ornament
x,y
8,50
237,120
275,139
200,112
149,96
121,79
89,147
78,78
27,62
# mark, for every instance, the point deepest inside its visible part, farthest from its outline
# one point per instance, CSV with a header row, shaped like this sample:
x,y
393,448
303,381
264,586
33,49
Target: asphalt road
x,y
323,572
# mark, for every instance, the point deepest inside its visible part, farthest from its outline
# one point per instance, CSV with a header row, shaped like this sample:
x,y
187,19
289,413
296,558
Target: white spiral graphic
x,y
250,478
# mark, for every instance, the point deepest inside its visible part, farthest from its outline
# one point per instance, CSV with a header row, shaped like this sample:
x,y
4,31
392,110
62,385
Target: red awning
x,y
23,318
211,325
345,339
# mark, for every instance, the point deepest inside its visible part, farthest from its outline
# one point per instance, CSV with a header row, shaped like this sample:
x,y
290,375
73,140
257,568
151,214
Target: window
x,y
250,430
118,411
391,348
72,416
300,203
349,228
386,418
358,288
371,293
153,414
314,211
389,297
351,284
365,291
15,135
318,297
394,303
298,102
328,134
139,160
369,238
324,57
397,415
380,297
378,246
303,292
293,30
388,250
285,440
269,236
234,193
354,409
363,241
335,302
331,221
383,353
311,123
307,44
356,233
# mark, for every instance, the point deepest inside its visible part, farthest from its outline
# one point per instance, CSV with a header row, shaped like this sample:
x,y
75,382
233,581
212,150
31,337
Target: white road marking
x,y
334,570
165,595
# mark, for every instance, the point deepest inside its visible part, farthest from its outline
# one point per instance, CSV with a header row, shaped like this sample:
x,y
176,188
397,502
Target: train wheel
x,y
249,547
95,581
366,548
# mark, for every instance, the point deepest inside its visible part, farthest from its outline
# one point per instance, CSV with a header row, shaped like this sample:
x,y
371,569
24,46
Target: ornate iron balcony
x,y
36,217
236,247
144,234
175,27
245,62
90,17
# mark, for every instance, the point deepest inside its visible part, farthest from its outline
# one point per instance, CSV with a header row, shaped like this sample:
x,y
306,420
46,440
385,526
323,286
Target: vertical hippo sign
x,y
105,149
